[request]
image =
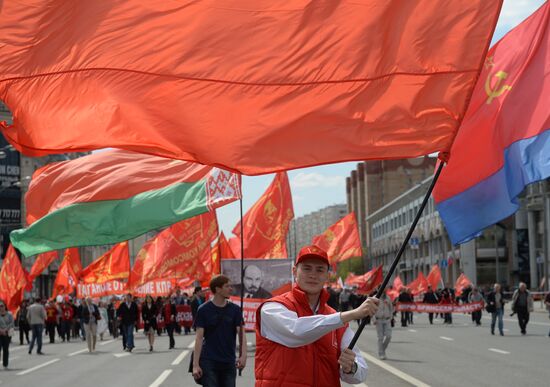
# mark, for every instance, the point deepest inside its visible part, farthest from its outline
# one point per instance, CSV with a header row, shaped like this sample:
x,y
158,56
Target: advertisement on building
x,y
10,193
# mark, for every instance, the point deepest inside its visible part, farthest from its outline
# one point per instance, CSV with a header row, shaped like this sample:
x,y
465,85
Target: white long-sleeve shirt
x,y
284,327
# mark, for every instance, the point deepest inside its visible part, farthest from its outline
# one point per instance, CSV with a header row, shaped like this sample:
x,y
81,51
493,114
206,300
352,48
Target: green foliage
x,y
352,265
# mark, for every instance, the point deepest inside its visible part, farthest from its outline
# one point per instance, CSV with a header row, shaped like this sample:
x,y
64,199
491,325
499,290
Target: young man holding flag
x,y
300,340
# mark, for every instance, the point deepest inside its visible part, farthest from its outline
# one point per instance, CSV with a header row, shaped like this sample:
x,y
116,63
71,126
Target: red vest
x,y
315,364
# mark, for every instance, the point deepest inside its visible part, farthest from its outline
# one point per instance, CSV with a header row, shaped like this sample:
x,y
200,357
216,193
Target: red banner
x,y
439,308
113,265
225,249
41,263
266,223
419,285
184,317
250,305
462,282
13,280
341,240
156,288
434,277
180,251
371,280
66,279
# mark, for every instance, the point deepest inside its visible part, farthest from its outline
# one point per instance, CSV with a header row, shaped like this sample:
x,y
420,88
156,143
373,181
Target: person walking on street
x,y
169,313
36,315
102,324
405,298
67,316
196,302
476,296
22,322
89,318
300,340
51,320
7,327
430,298
149,316
382,320
495,306
522,305
128,314
447,299
218,323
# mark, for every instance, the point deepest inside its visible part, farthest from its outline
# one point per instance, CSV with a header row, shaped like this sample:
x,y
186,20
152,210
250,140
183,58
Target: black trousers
x,y
404,319
170,330
50,328
24,329
431,317
476,317
5,348
523,318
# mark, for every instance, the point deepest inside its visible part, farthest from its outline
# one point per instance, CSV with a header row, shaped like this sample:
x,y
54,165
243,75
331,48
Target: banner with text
x,y
108,288
249,310
439,308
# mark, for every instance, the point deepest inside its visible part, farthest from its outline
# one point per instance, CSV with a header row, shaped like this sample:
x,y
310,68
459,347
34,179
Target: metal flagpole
x,y
242,276
400,252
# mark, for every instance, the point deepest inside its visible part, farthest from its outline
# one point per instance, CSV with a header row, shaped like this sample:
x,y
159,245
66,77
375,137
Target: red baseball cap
x,y
312,252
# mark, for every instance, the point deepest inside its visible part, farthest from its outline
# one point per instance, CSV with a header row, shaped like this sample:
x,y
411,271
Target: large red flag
x,y
266,223
254,86
72,255
66,278
461,283
13,280
182,250
41,263
371,280
225,248
434,277
419,285
341,240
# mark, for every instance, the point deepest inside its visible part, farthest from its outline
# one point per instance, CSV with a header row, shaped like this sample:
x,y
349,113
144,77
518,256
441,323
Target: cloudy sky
x,y
318,187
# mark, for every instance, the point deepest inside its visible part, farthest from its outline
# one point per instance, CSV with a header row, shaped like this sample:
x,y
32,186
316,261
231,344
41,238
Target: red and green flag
x,y
113,196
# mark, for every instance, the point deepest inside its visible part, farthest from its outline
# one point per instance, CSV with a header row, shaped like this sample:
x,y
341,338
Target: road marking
x,y
121,354
77,352
499,351
192,345
446,338
400,374
106,342
161,378
37,367
412,330
180,357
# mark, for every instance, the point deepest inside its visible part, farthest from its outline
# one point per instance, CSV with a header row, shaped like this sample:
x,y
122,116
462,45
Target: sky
x,y
318,187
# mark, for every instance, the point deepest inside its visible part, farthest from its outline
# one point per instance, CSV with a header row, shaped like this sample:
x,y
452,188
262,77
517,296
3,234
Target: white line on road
x,y
37,367
180,357
106,342
121,354
412,330
77,352
161,378
446,338
192,345
400,374
499,351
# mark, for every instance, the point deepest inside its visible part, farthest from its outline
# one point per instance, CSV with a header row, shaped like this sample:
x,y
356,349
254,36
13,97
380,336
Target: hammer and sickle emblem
x,y
497,90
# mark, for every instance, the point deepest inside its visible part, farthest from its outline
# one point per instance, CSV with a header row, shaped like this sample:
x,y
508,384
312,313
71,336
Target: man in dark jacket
x,y
127,315
430,298
495,306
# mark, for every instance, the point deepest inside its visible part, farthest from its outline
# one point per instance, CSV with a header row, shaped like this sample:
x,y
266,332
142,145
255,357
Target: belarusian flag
x,y
116,195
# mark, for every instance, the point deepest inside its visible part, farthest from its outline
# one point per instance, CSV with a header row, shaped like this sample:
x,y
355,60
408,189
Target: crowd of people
x,y
493,301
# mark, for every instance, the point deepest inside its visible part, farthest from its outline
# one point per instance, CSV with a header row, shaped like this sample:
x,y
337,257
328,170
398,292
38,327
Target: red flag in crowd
x,y
113,265
73,256
267,222
352,279
393,293
41,263
461,283
181,250
371,280
245,86
419,285
13,280
226,252
341,240
66,278
434,277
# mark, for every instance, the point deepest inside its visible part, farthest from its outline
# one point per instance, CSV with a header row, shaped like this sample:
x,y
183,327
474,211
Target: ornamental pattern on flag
x,y
341,240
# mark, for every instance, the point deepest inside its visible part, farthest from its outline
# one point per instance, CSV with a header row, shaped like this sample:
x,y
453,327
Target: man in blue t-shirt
x,y
218,322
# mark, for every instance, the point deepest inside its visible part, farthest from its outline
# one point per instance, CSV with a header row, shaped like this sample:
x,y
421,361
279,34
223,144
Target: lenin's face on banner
x,y
252,279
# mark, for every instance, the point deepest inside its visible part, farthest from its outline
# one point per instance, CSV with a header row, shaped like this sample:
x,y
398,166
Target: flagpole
x,y
242,278
401,250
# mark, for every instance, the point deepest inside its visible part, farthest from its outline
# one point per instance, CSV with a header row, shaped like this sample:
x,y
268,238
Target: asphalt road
x,y
419,355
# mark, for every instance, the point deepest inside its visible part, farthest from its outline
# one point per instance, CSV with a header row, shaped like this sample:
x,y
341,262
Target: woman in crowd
x,y
89,318
22,322
149,315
